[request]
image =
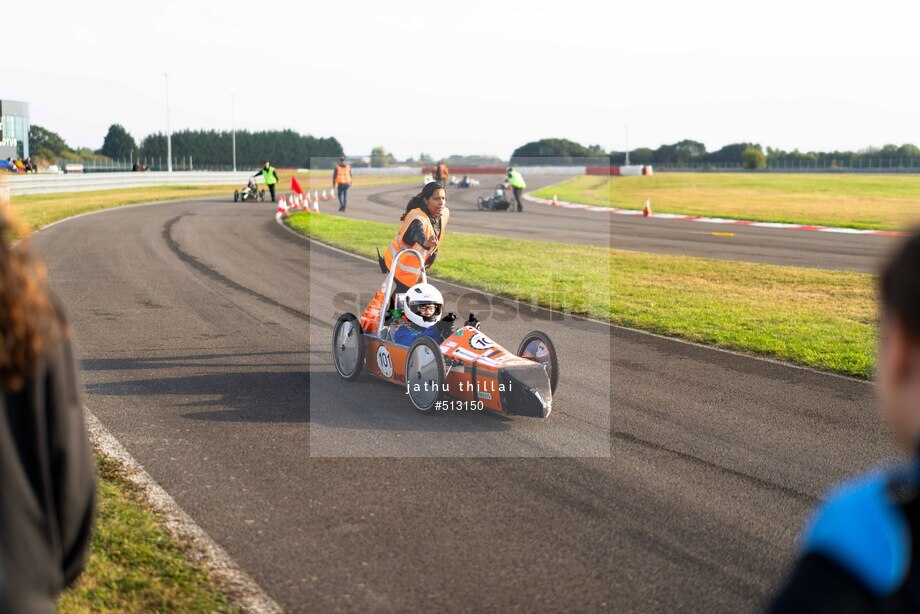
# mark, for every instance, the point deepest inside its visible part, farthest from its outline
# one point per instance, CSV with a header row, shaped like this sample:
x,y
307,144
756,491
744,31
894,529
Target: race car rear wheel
x,y
426,376
348,347
261,195
537,347
236,196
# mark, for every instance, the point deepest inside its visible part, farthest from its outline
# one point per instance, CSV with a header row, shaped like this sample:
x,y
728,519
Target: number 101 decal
x,y
384,362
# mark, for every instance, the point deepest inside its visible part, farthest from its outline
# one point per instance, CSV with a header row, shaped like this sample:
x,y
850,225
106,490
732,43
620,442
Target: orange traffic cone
x,y
372,314
555,201
648,208
316,204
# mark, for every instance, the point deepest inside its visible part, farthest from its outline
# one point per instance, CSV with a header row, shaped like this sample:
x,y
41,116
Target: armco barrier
x,y
46,183
617,171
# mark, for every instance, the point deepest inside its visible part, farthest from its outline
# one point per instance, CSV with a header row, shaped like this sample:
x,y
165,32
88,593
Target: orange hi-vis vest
x,y
342,174
407,269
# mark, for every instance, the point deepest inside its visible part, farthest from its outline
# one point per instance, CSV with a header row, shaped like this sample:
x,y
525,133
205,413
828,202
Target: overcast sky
x,y
475,77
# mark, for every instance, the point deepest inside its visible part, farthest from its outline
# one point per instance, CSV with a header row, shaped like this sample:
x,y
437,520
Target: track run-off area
x,y
668,474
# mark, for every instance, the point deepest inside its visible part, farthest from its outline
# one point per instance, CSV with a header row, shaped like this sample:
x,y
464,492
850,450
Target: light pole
x,y
168,133
233,127
627,145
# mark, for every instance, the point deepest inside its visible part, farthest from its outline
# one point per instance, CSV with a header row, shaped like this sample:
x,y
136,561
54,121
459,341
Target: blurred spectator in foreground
x,y
46,469
860,552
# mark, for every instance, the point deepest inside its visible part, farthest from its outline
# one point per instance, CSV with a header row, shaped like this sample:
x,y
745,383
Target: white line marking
x,y
229,578
716,220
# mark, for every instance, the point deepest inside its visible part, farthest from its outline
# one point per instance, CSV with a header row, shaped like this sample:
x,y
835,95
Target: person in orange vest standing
x,y
441,173
341,181
423,225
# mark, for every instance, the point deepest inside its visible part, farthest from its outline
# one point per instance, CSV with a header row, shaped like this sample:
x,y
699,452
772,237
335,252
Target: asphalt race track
x,y
204,333
861,253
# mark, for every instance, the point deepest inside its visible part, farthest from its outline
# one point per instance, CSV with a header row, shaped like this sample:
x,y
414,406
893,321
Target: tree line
x,y
690,152
206,148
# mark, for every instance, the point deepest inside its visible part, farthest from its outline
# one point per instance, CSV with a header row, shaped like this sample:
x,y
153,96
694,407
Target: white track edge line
x,y
774,361
228,576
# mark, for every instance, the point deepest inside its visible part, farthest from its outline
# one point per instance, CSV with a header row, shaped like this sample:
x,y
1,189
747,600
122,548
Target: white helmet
x,y
422,294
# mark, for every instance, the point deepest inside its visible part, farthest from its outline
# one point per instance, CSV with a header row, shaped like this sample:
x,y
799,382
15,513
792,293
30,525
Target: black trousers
x,y
517,196
271,188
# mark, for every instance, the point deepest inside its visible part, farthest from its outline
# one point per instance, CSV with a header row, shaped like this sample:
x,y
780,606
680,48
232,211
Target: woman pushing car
x,y
422,229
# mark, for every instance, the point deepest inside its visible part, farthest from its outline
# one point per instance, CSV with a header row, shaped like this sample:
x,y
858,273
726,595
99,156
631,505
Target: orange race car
x,y
467,366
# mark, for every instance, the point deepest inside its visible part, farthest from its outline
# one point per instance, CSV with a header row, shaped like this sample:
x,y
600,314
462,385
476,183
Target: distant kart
x,y
248,193
496,202
468,182
467,365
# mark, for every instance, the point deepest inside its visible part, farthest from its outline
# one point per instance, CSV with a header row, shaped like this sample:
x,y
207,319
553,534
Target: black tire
x,y
236,196
261,195
425,365
547,359
348,352
479,204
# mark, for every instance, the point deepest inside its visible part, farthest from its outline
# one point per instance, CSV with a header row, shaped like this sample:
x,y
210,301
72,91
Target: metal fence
x,y
181,163
43,183
830,165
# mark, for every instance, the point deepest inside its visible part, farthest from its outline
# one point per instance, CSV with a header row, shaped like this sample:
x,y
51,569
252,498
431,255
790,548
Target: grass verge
x,y
134,565
821,319
877,202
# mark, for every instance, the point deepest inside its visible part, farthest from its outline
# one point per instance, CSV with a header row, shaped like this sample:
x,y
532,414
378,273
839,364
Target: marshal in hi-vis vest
x,y
342,174
268,175
407,269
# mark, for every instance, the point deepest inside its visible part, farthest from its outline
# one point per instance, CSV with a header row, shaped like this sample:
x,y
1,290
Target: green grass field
x,y
847,200
134,565
822,319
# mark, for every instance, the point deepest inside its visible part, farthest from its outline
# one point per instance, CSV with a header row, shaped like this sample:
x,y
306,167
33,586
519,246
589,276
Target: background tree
x,y
118,144
753,158
210,148
380,158
48,145
558,152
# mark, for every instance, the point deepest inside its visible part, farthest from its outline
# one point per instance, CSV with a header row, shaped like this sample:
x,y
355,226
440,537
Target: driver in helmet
x,y
420,311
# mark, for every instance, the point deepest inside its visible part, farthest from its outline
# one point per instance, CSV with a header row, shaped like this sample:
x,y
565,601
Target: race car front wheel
x,y
426,378
348,347
236,196
479,204
537,347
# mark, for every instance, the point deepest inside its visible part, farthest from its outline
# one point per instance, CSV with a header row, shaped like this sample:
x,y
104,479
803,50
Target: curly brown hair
x,y
30,322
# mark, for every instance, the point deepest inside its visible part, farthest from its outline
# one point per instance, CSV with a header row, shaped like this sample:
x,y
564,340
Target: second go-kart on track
x,y
205,334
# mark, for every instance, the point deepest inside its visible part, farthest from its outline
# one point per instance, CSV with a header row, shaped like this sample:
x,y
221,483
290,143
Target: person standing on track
x,y
860,552
46,468
341,181
516,181
269,176
441,173
423,226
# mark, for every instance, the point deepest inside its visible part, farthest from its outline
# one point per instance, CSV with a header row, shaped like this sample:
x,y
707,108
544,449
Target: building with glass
x,y
14,129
